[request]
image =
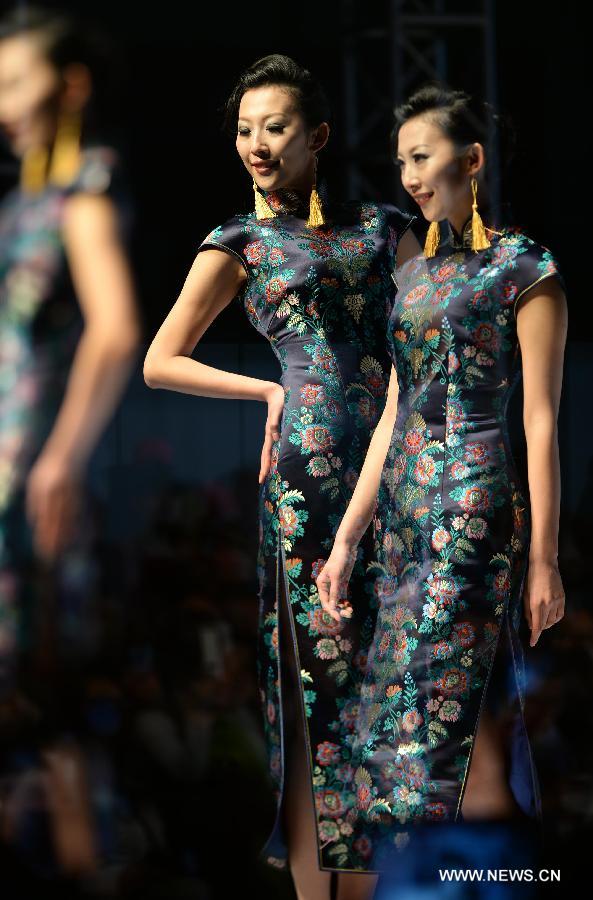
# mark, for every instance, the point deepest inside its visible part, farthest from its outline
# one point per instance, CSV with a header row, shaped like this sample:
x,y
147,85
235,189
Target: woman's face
x,y
29,94
273,140
434,172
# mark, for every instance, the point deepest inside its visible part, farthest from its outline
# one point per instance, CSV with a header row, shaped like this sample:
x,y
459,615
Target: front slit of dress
x,y
508,663
278,837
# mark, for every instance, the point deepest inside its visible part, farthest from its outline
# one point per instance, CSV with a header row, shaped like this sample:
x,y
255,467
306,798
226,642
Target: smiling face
x,y
435,172
273,140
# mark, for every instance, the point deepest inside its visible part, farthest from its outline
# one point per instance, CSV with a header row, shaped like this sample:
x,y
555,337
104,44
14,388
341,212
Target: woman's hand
x,y
543,597
52,503
332,581
275,400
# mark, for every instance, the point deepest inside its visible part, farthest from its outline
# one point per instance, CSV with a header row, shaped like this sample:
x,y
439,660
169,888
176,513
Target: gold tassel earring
x,y
262,210
65,158
433,239
33,174
315,208
479,239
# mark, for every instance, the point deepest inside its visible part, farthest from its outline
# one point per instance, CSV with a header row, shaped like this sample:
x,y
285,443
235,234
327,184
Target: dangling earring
x,y
262,210
34,169
433,239
315,208
479,239
65,158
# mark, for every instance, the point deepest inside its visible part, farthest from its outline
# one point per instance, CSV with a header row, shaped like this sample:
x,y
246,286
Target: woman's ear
x,y
319,137
77,87
475,159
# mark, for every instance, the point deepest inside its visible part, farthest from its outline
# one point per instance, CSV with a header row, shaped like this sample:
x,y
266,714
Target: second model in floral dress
x,y
322,297
452,528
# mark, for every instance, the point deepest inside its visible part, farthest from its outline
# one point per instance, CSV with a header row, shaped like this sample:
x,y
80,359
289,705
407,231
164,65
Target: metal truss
x,y
391,47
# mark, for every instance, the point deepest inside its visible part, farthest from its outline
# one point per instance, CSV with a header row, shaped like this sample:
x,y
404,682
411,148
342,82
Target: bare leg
x,y
356,887
70,809
488,794
310,882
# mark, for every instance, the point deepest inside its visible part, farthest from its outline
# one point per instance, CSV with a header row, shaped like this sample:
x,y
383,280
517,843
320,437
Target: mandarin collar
x,y
457,242
292,202
286,200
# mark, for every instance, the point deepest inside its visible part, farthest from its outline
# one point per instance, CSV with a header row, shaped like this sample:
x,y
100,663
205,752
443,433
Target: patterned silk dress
x,y
322,297
40,325
452,529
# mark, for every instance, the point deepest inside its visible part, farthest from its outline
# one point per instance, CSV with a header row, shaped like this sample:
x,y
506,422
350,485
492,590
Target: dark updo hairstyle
x,y
65,40
465,120
281,71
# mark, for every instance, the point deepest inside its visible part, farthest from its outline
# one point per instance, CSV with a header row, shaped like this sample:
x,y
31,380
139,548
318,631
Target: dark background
x,y
175,477
176,64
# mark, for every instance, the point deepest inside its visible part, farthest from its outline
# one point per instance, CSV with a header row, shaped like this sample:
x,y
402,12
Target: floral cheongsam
x,y
40,325
452,531
322,297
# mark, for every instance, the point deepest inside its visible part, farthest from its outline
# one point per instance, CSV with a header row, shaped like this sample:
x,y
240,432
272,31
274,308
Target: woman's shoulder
x,y
515,236
375,215
100,170
238,228
525,251
525,260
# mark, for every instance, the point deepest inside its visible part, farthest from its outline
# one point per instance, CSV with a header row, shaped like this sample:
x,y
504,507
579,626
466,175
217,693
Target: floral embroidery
x,y
322,297
450,532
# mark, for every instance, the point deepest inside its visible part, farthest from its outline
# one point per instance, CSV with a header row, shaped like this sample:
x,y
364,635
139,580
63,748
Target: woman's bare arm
x,y
213,280
107,349
333,579
101,366
361,507
542,319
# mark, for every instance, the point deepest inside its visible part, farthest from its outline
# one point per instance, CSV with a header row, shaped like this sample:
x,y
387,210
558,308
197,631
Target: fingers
x,y
265,460
328,594
544,617
272,435
535,633
334,596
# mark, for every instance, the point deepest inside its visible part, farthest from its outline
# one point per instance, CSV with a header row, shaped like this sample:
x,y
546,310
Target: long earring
x,y
34,169
65,158
262,210
433,239
479,239
315,208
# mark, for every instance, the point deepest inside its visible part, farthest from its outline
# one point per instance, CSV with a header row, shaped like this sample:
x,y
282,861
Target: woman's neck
x,y
459,220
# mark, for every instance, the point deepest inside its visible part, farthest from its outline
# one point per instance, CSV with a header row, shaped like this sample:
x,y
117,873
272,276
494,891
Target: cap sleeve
x,y
398,221
232,237
101,172
534,265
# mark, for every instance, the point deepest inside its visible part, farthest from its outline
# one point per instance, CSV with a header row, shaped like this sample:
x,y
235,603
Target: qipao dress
x,y
322,297
452,531
40,326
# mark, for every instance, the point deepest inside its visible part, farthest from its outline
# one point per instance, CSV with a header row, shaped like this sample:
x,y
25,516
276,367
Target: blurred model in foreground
x,y
68,325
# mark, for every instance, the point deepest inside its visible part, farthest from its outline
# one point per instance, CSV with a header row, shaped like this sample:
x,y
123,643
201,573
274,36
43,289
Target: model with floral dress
x,y
314,275
462,547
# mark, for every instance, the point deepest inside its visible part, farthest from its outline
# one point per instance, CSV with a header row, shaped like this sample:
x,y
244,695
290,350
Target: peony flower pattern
x,y
451,534
322,298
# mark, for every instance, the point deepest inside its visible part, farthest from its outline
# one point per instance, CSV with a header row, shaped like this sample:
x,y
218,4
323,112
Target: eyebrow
x,y
269,116
417,146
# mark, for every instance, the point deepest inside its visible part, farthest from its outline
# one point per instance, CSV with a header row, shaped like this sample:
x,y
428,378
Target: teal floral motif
x,y
322,297
40,326
451,529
